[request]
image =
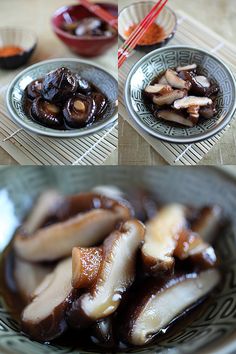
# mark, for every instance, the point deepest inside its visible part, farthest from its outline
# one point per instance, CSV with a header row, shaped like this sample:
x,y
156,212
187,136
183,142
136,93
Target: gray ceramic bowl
x,y
159,60
209,330
135,13
99,77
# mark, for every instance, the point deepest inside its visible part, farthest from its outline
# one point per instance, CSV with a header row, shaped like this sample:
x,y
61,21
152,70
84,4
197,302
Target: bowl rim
x,y
168,37
184,139
59,31
53,133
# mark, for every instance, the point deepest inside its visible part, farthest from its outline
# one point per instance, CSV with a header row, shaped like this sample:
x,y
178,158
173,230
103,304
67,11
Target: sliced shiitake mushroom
x,y
208,222
84,202
164,300
28,276
171,115
168,98
175,81
189,67
79,111
208,111
161,238
59,84
157,88
44,318
117,273
86,263
44,208
46,113
57,240
34,89
191,246
189,101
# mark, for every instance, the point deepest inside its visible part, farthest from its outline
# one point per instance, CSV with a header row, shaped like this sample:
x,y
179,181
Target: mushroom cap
x,y
46,113
34,89
59,84
79,111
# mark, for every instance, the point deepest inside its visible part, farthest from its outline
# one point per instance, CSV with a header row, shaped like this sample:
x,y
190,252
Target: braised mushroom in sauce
x,y
182,96
101,277
64,100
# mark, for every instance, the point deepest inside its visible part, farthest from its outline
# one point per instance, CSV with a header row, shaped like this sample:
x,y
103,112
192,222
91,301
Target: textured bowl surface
x,y
100,78
135,13
159,60
20,186
19,37
84,46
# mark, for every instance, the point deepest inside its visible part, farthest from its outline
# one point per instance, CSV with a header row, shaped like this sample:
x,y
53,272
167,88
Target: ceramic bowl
x,y
83,46
135,13
158,61
209,330
19,37
99,77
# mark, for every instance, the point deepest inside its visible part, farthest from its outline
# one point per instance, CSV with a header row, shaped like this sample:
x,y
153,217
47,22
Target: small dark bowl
x,y
135,13
84,46
17,37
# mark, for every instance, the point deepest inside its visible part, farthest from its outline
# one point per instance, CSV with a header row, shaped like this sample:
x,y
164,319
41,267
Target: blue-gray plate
x,y
98,76
158,61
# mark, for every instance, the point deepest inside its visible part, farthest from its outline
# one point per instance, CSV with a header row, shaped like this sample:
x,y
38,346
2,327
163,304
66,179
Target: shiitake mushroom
x,y
84,86
58,85
100,101
79,111
34,89
46,113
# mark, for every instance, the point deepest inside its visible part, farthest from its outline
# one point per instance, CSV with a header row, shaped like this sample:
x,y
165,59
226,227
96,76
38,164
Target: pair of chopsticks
x,y
131,42
101,13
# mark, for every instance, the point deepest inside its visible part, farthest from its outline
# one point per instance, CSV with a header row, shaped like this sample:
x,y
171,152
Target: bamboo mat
x,y
190,32
28,149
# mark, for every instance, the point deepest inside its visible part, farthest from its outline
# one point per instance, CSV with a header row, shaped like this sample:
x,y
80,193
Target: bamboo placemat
x,y
190,32
28,149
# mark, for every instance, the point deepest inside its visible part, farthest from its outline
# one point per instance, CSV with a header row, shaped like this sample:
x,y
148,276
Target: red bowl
x,y
84,46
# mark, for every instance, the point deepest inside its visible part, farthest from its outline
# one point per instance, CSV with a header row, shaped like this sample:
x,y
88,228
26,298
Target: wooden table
x,y
219,15
36,15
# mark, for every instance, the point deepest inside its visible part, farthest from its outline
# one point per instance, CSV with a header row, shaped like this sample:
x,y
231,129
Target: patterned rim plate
x,y
210,329
99,77
159,60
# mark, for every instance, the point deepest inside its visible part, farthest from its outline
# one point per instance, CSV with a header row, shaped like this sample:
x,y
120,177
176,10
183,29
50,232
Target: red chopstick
x,y
131,42
101,13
